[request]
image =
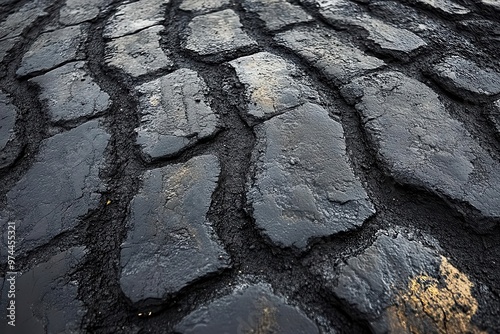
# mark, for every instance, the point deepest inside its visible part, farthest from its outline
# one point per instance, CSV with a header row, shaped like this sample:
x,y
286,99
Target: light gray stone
x,y
78,11
418,143
46,299
51,49
215,33
202,6
337,61
495,116
61,186
277,14
495,4
273,85
175,114
304,186
17,22
170,242
462,76
138,54
134,16
444,6
249,309
69,93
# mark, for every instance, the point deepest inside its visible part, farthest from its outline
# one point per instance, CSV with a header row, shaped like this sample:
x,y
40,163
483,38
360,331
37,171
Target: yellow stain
x,y
108,202
430,305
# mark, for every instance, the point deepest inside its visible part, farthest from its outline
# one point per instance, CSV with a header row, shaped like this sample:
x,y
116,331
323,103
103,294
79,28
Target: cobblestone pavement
x,y
250,166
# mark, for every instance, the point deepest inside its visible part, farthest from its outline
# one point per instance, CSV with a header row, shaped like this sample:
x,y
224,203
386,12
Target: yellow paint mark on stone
x,y
265,322
432,305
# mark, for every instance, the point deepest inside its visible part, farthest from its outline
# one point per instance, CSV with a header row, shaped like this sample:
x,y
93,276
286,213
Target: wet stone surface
x,y
78,11
175,114
432,151
138,54
62,186
273,85
215,33
132,17
52,49
170,242
464,77
46,297
249,309
69,93
399,285
277,14
202,6
9,143
304,186
337,61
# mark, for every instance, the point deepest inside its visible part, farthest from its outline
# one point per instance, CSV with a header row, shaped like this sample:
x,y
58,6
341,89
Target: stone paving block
x,y
51,49
336,60
170,242
304,185
272,85
175,114
202,6
399,285
432,151
61,186
444,6
462,76
277,14
6,45
134,16
393,40
46,298
17,22
69,93
9,144
138,54
78,11
249,309
217,32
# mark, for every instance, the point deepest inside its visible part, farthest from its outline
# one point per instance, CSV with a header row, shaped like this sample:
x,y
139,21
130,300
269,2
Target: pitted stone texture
x,y
444,6
135,16
170,242
9,143
46,298
17,22
138,54
462,76
400,285
61,186
51,49
216,33
78,11
337,61
69,93
277,14
272,85
202,6
304,186
249,309
418,142
388,38
175,114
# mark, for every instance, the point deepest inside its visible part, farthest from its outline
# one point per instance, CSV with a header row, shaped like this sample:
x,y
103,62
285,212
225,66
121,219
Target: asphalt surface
x,y
253,166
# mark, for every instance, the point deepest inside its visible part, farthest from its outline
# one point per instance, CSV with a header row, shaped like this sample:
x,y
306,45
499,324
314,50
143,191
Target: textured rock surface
x,y
61,186
277,14
138,54
432,150
304,186
132,17
170,242
491,3
444,6
46,298
9,143
249,309
17,22
78,11
175,113
202,6
69,93
52,49
216,33
401,286
337,61
464,77
7,45
273,85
